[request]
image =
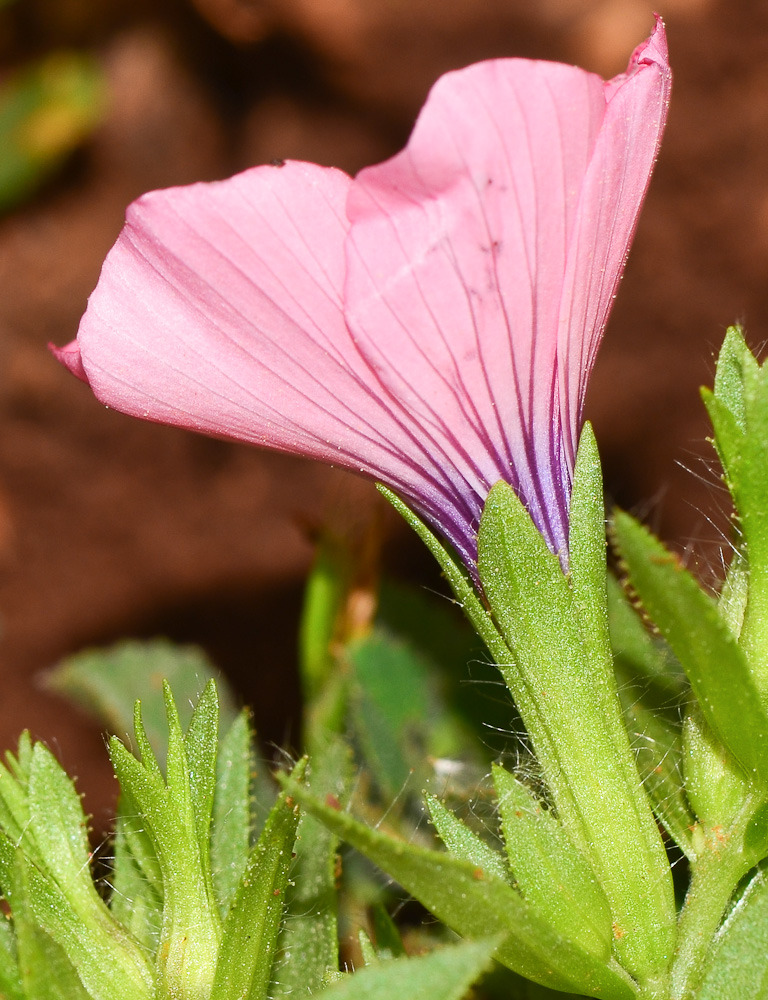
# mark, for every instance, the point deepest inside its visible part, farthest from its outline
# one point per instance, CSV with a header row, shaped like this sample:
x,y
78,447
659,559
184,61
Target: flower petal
x,y
219,309
482,260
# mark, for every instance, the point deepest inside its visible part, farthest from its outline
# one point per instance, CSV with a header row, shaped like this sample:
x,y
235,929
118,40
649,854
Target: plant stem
x,y
714,877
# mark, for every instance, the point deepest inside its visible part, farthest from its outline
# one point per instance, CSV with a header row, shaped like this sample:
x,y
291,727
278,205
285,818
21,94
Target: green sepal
x,y
459,581
465,843
551,872
230,833
444,974
569,703
250,934
587,555
475,903
715,784
703,643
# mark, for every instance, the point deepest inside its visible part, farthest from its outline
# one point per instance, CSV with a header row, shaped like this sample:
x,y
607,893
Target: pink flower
x,y
431,323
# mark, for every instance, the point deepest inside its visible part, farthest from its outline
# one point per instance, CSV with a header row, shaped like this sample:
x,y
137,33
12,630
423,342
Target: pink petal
x,y
70,357
219,309
431,324
483,258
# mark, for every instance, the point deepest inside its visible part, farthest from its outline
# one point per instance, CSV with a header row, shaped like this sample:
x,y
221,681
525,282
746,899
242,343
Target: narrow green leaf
x,y
734,360
136,899
132,839
389,944
391,705
191,929
230,834
324,596
200,749
251,929
477,904
58,824
658,746
551,872
738,409
691,623
587,551
736,968
716,786
652,690
569,702
465,843
444,974
309,939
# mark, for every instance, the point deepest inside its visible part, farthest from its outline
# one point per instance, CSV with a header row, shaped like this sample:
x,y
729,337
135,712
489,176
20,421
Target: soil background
x,y
112,528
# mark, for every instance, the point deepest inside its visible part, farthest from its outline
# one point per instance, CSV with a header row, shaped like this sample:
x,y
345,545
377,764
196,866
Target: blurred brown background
x,y
110,527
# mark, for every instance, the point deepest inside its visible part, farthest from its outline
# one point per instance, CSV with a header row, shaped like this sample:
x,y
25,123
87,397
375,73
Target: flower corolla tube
x,y
431,323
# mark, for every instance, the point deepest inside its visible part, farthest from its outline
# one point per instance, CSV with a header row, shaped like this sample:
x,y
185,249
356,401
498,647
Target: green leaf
x,y
108,682
738,409
391,708
551,872
44,972
644,657
703,643
107,962
10,977
444,974
734,361
389,944
736,969
230,836
46,109
250,935
324,599
652,689
715,784
566,694
477,904
465,843
174,812
309,939
587,551
137,886
200,751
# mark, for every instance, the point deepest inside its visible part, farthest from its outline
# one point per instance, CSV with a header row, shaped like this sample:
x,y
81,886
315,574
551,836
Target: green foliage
x,y
46,109
444,974
551,872
690,621
564,687
476,903
195,911
736,968
108,682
